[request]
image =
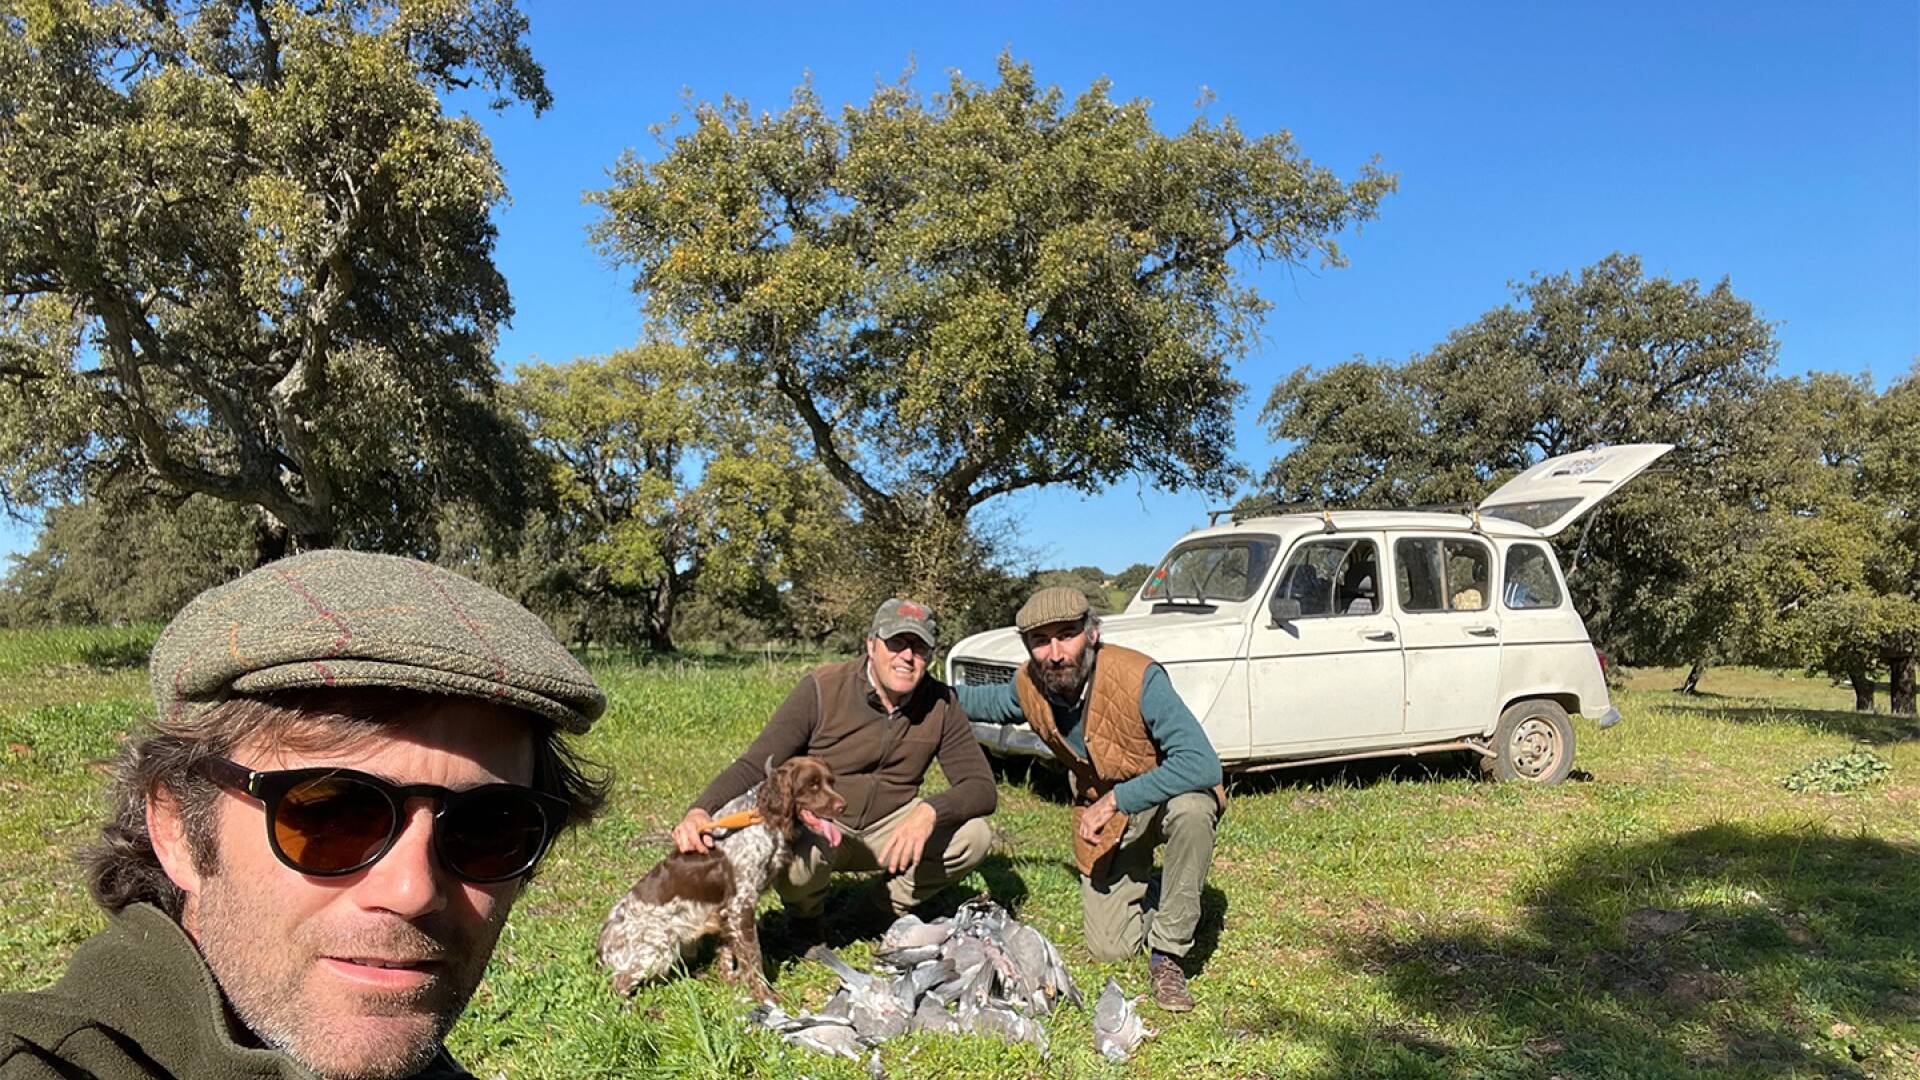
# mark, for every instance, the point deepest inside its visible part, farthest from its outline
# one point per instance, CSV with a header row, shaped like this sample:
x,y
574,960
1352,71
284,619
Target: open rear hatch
x,y
1553,494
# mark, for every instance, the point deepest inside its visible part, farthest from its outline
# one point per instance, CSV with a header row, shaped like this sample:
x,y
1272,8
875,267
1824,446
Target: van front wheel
x,y
1533,742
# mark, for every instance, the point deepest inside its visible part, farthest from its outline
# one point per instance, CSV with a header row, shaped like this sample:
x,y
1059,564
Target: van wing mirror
x,y
1284,609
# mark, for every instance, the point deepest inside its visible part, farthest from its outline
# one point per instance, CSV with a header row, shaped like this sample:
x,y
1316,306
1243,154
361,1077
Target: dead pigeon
x,y
909,932
838,1007
981,971
1040,979
907,959
876,1012
1008,1025
913,985
829,1039
1117,1027
981,918
1062,978
933,1016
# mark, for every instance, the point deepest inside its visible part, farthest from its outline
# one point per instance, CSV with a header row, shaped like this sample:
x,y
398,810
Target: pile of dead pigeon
x,y
981,971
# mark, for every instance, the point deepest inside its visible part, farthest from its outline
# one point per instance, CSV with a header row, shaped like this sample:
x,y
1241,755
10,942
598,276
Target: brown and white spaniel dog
x,y
685,897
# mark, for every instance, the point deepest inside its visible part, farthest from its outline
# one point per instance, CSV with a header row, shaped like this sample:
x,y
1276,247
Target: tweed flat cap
x,y
1056,603
346,618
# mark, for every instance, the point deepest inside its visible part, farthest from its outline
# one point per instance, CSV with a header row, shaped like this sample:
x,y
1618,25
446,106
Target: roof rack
x,y
1268,509
1264,509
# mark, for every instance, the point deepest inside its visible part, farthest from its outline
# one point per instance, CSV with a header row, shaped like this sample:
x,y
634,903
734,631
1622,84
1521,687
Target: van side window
x,y
1530,582
1332,577
1432,574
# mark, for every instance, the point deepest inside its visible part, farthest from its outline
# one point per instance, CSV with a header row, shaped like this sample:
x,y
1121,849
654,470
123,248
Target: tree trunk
x,y
1862,681
271,539
657,620
1902,670
1692,685
659,638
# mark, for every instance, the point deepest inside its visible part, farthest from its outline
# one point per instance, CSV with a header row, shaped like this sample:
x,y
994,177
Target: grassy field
x,y
1672,911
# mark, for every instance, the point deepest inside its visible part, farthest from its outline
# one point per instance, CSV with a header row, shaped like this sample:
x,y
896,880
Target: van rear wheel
x,y
1533,742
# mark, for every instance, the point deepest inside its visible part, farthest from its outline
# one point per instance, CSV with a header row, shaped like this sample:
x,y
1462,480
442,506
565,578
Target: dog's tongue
x,y
828,831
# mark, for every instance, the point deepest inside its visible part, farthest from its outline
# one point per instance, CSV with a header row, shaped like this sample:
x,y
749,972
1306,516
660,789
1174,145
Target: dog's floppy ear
x,y
776,796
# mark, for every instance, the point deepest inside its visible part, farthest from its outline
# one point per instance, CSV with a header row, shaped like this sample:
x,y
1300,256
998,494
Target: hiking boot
x,y
1169,984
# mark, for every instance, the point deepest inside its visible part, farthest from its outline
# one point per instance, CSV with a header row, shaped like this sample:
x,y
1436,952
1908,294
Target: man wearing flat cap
x,y
1143,775
354,764
878,720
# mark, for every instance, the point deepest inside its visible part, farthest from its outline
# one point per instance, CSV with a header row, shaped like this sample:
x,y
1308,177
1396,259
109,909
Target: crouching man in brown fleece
x,y
879,720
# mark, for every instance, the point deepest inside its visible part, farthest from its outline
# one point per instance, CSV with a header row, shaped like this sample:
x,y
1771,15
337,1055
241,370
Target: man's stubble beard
x,y
268,983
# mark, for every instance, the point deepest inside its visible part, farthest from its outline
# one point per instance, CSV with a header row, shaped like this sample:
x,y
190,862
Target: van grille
x,y
981,673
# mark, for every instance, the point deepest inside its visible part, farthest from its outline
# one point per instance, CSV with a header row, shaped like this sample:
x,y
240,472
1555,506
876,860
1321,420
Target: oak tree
x,y
993,288
246,251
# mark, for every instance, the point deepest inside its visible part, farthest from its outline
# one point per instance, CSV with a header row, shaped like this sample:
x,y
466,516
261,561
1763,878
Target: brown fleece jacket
x,y
878,758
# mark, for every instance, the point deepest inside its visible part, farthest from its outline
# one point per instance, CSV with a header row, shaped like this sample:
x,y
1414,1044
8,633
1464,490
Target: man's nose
x,y
407,879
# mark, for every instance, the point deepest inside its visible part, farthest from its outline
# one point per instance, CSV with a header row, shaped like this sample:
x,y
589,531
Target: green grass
x,y
1673,911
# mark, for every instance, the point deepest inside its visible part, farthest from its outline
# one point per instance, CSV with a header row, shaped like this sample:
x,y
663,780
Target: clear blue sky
x,y
1776,144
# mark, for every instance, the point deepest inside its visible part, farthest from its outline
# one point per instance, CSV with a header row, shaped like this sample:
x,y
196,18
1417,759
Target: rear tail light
x,y
1601,656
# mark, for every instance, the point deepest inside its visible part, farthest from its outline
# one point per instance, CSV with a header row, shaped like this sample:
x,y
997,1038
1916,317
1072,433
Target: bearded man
x,y
1143,776
354,765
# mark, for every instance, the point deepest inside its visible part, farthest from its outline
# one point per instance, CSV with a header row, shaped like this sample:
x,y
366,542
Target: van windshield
x,y
1217,568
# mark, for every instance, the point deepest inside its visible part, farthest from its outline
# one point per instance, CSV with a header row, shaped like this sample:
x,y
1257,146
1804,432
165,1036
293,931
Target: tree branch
x,y
148,430
269,44
1067,472
875,501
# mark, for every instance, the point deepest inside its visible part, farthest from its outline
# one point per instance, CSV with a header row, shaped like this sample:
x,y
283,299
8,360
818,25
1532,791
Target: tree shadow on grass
x,y
1874,728
1724,951
116,655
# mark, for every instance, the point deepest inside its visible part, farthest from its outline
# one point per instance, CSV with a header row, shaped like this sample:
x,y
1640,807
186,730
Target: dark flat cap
x,y
351,619
1055,603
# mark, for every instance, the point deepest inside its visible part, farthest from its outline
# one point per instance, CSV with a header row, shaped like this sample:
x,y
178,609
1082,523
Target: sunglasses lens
x,y
491,834
332,823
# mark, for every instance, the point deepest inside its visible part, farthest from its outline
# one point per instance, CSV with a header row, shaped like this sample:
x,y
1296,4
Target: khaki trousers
x,y
1118,913
951,852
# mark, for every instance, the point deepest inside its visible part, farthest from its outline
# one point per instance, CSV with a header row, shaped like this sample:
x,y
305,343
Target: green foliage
x,y
244,252
973,294
1608,356
953,565
1090,580
125,557
1605,356
1128,581
1847,566
666,483
1840,773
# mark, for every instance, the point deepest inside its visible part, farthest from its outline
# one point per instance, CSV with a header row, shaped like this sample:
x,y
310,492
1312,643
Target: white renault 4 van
x,y
1334,636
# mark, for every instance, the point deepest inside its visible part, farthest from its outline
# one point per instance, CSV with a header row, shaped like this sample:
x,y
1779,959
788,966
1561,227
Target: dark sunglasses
x,y
329,822
900,643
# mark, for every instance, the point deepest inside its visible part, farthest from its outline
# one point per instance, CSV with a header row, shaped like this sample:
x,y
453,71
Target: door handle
x,y
1381,635
1484,631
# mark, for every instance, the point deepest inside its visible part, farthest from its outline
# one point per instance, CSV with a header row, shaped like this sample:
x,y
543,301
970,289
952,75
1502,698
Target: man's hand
x,y
909,839
690,836
1095,817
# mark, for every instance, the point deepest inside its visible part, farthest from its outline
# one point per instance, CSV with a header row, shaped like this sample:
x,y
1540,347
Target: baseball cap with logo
x,y
898,616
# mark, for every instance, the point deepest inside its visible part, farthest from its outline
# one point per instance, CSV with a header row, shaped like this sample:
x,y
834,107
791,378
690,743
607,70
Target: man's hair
x,y
122,868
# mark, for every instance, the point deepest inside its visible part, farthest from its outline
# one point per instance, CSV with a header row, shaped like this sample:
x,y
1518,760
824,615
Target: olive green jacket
x,y
138,1002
